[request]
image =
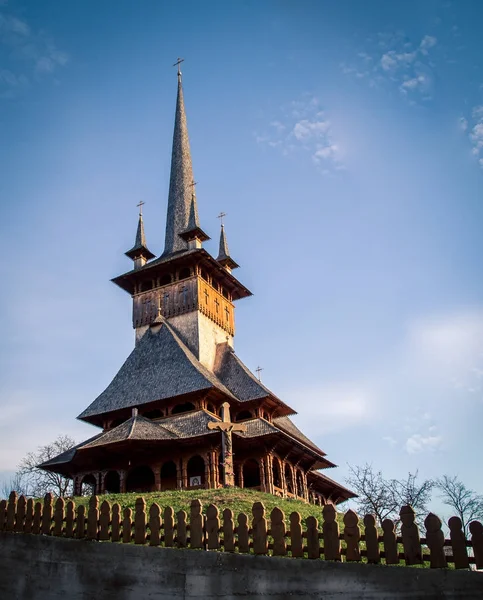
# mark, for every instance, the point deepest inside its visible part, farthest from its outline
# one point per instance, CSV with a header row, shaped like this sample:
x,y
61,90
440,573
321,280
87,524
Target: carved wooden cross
x,y
227,427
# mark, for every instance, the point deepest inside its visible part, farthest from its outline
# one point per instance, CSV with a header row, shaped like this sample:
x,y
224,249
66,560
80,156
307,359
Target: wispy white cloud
x,y
419,443
475,132
427,42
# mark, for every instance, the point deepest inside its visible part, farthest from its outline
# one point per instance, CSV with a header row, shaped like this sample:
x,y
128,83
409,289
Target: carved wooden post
x,y
3,515
70,519
227,427
127,526
372,540
259,526
196,525
20,515
181,529
154,524
213,527
228,531
435,541
116,523
313,547
268,473
168,526
283,479
29,516
410,536
242,533
37,523
140,521
296,540
390,544
263,475
277,529
93,518
122,481
47,514
476,530
207,470
330,530
104,521
11,511
352,536
458,543
157,478
240,474
58,517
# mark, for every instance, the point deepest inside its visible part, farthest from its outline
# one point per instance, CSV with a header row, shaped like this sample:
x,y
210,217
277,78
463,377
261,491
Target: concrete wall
x,y
45,568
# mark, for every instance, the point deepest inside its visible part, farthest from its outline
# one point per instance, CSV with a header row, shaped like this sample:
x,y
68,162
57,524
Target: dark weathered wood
x,y
47,514
410,536
278,531
296,540
29,516
352,536
212,527
11,511
259,526
168,526
116,523
37,523
93,518
140,521
70,519
313,546
20,514
154,524
3,515
127,526
330,530
104,521
435,541
458,543
372,540
391,555
476,530
243,533
196,525
58,528
228,531
181,529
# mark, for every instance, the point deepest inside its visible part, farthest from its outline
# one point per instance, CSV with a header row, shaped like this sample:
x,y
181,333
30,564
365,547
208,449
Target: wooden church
x,y
184,411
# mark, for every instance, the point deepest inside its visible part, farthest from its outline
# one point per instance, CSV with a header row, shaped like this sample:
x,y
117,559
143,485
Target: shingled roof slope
x,y
332,483
287,425
66,456
159,367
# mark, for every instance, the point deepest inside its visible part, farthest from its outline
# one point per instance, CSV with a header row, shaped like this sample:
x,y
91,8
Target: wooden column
x,y
263,475
240,474
207,470
77,485
184,473
122,481
283,480
269,473
157,477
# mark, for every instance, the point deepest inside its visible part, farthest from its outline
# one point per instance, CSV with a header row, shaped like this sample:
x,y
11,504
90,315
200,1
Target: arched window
x,y
195,470
168,476
288,479
184,273
251,473
140,479
265,416
211,408
181,408
165,279
88,485
153,414
112,482
243,415
277,474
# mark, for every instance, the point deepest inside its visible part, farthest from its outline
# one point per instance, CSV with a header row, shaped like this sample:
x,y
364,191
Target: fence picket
x,y
47,514
476,530
243,533
228,531
435,541
330,530
212,527
116,523
390,543
58,517
168,526
313,546
3,515
11,511
127,526
37,523
196,525
296,540
70,519
80,522
458,543
352,536
29,516
20,514
154,525
410,536
278,531
181,529
93,518
104,521
259,526
140,521
372,540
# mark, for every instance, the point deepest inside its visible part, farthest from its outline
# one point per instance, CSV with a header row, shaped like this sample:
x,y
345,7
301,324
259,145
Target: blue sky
x,y
344,140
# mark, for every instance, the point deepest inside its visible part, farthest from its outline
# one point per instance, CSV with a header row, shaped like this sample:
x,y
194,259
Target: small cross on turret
x,y
227,427
177,64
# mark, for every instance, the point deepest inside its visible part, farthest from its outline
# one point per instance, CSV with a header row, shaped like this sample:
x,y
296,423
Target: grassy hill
x,y
238,499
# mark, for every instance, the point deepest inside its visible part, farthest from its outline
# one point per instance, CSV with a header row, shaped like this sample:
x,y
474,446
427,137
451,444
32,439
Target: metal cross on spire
x,y
193,185
140,205
220,216
177,64
258,370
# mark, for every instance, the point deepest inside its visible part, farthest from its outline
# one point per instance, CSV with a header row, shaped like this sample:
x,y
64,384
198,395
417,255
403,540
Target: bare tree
x,y
418,495
467,504
41,482
375,494
16,483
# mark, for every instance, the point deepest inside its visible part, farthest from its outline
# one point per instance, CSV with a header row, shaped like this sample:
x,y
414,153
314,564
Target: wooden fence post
x,y
330,530
212,527
476,530
410,536
11,511
127,526
58,517
154,524
47,514
70,519
352,536
181,529
104,521
458,543
390,543
259,526
243,533
93,518
278,531
296,540
313,546
116,523
29,516
228,531
196,525
168,526
3,515
140,521
80,523
435,541
372,540
20,515
37,523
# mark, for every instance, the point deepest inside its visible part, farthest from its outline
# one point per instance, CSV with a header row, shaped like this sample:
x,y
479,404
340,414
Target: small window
x,y
165,279
181,408
153,414
184,273
243,415
146,285
204,275
225,293
211,408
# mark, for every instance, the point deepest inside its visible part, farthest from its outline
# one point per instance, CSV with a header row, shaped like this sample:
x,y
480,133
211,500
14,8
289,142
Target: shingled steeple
x,y
181,181
224,257
140,253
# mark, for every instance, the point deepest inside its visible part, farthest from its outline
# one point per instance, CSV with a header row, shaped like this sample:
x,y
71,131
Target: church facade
x,y
184,412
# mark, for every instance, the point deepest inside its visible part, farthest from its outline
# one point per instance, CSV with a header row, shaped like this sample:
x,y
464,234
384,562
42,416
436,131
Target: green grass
x,y
238,499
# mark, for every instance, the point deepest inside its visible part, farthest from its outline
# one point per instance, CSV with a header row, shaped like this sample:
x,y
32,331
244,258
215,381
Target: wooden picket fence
x,y
257,535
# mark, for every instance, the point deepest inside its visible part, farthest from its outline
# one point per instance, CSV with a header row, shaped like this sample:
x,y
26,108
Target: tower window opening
x,y
184,273
165,279
243,415
146,285
204,275
181,408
